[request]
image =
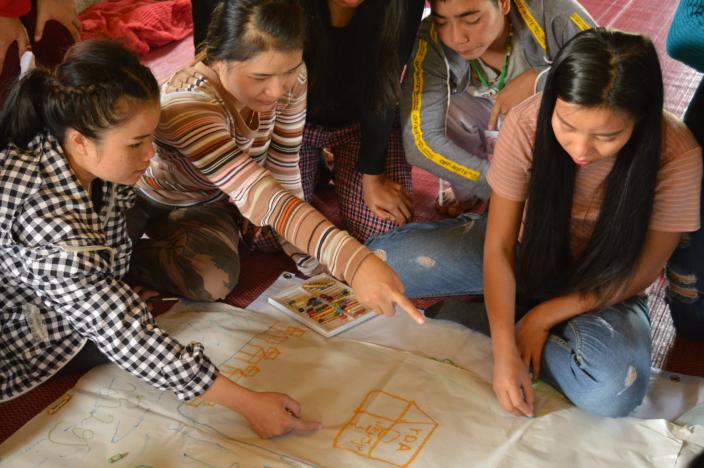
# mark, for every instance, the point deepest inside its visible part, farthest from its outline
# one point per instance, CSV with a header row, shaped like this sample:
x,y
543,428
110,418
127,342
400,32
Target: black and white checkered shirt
x,y
61,266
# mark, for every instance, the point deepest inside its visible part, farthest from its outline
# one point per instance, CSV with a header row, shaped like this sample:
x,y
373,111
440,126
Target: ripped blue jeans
x,y
599,360
685,270
437,258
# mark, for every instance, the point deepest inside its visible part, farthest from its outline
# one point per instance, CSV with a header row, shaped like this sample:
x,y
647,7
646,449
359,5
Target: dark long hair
x,y
596,68
377,28
83,93
240,29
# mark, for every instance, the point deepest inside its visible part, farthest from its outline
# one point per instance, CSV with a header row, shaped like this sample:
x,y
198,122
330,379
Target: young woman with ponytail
x,y
72,144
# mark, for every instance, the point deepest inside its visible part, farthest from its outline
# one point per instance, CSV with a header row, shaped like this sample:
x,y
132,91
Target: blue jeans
x,y
438,258
685,270
599,360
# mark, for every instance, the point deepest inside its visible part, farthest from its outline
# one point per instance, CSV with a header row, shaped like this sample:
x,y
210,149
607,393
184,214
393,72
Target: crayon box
x,y
324,304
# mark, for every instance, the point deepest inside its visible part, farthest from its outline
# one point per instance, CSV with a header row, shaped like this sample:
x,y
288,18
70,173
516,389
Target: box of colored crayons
x,y
324,304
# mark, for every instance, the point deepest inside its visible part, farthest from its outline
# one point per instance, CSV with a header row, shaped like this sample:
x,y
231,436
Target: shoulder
x,y
677,139
125,197
177,102
549,9
524,116
514,147
517,135
39,203
548,23
194,84
190,99
676,206
295,98
187,79
20,169
301,84
426,29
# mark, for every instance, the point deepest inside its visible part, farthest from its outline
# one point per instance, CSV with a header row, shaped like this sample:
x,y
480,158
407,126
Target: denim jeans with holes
x,y
685,270
438,258
599,360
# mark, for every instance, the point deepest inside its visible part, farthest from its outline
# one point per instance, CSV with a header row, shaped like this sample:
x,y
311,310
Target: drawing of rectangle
x,y
386,428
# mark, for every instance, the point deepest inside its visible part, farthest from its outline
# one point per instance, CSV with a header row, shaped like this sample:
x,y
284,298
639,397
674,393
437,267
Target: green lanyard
x,y
504,66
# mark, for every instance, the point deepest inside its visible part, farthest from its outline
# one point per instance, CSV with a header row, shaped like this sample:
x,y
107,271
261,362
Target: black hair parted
x,y
240,29
86,92
596,68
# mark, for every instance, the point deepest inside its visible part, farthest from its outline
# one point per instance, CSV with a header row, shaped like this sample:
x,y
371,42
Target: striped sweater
x,y
206,150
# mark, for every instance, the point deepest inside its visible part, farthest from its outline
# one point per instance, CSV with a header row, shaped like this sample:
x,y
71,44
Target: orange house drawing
x,y
386,428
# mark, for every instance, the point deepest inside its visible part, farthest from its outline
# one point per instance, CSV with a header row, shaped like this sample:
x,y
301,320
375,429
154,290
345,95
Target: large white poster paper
x,y
379,407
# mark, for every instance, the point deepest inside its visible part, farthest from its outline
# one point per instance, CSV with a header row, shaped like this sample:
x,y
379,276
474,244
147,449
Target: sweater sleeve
x,y
685,40
205,140
284,148
79,286
424,107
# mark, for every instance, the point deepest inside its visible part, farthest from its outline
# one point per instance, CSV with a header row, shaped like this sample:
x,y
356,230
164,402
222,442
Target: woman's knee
x,y
601,367
436,258
619,391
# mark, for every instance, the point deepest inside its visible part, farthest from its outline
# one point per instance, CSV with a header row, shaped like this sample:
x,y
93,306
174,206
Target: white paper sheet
x,y
669,396
379,407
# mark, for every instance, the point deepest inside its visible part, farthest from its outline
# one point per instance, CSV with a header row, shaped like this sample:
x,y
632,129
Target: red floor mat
x,y
651,18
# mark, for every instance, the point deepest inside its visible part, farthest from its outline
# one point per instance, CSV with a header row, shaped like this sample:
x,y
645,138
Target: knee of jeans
x,y
420,262
611,384
611,367
427,245
617,394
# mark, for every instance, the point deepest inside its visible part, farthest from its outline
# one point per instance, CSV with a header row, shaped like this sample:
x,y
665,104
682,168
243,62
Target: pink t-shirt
x,y
678,185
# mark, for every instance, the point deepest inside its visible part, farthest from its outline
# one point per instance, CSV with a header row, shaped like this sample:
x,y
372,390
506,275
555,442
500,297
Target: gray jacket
x,y
435,72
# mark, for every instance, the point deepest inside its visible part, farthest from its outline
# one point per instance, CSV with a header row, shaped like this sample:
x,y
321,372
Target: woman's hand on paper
x,y
378,287
269,414
273,414
512,384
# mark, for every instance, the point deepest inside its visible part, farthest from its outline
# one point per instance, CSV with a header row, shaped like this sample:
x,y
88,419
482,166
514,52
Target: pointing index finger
x,y
408,306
